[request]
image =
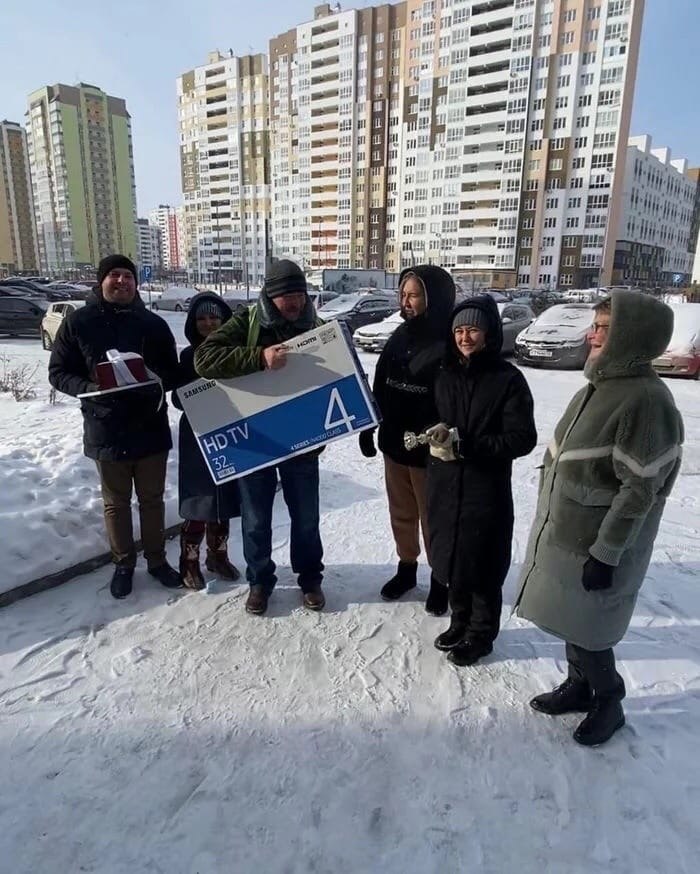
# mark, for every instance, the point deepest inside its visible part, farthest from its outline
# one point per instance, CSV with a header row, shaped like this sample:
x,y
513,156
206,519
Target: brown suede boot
x,y
189,559
217,552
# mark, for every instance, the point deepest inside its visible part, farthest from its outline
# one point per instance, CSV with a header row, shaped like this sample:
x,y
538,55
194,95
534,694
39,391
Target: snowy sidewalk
x,y
177,734
173,733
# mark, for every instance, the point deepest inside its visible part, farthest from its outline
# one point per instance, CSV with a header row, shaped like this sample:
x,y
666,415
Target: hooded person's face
x,y
290,306
412,298
207,323
119,286
598,335
469,340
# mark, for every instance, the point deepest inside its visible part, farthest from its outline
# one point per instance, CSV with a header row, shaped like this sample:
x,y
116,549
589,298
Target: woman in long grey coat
x,y
613,461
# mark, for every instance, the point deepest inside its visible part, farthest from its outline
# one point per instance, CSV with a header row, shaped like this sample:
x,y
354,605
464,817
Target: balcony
x,y
489,50
490,21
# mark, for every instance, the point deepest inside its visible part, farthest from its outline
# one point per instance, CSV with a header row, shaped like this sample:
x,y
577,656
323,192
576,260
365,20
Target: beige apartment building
x,y
486,135
18,244
82,167
224,156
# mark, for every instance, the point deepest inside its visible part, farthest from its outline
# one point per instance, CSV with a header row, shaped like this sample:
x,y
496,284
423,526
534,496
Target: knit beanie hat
x,y
473,317
209,307
115,261
285,277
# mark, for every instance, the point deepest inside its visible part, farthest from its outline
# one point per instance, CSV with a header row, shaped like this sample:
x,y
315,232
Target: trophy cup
x,y
413,441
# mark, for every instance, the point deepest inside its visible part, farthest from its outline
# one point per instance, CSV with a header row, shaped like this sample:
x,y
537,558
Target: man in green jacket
x,y
613,461
254,340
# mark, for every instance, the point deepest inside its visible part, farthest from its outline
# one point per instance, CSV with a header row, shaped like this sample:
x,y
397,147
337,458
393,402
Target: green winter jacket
x,y
607,473
236,348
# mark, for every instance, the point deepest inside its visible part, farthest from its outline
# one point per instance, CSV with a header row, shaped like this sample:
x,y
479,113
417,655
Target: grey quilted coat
x,y
612,463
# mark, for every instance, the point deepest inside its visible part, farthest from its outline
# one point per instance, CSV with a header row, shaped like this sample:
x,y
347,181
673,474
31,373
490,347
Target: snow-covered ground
x,y
174,733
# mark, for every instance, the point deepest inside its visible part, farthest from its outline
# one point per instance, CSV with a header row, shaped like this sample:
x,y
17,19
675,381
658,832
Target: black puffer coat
x,y
470,504
200,498
127,425
404,380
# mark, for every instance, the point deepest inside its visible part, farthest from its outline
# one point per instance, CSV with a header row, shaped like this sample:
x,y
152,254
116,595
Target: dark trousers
x,y
147,477
476,594
479,612
597,669
300,483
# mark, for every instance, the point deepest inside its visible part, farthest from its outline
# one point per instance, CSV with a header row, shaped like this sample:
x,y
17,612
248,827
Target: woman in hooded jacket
x,y
404,389
207,508
486,420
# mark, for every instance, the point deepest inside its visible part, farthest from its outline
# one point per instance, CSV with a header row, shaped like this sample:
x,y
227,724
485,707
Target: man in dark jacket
x,y
127,432
486,420
254,340
404,385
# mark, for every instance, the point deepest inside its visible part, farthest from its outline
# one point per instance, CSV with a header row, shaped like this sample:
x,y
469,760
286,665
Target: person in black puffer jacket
x,y
404,390
205,506
126,432
486,420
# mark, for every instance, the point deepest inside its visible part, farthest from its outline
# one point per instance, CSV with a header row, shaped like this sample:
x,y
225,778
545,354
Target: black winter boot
x,y
166,576
468,652
403,581
604,719
572,696
436,602
450,638
122,582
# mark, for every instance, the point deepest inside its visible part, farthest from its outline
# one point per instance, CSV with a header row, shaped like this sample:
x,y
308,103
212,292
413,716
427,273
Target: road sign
x,y
256,421
677,278
146,272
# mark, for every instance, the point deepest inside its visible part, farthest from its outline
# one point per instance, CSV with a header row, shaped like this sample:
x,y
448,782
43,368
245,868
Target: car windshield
x,y
341,304
579,316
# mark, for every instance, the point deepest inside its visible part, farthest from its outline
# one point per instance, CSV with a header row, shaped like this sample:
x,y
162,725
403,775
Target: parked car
x,y
321,298
515,317
176,298
374,337
21,316
53,320
682,358
356,310
557,338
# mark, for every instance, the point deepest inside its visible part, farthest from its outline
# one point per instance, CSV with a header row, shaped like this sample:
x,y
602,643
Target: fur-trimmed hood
x,y
640,330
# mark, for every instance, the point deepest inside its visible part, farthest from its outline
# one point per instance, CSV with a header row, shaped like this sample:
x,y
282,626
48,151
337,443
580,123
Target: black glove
x,y
596,575
367,447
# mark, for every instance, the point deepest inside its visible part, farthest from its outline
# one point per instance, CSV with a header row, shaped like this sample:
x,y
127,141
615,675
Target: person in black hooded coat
x,y
403,387
486,420
205,506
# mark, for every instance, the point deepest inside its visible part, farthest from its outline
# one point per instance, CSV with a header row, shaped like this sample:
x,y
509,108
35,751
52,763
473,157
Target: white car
x,y
52,321
176,297
373,338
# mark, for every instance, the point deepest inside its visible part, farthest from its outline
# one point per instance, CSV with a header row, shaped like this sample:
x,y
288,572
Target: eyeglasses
x,y
600,326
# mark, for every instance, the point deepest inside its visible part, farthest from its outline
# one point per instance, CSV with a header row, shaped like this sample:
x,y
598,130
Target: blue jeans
x,y
299,477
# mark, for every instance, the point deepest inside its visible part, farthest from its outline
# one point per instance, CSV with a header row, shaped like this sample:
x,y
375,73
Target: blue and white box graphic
x,y
255,421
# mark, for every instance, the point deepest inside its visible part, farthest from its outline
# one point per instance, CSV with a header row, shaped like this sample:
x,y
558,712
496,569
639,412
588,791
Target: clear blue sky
x,y
135,49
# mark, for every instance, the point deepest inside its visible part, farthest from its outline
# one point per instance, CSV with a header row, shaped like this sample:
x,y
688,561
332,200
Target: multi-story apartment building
x,y
82,166
483,134
224,156
18,245
336,103
150,246
654,245
165,217
181,238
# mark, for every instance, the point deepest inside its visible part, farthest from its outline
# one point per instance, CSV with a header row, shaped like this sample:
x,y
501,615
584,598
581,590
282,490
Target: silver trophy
x,y
413,441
